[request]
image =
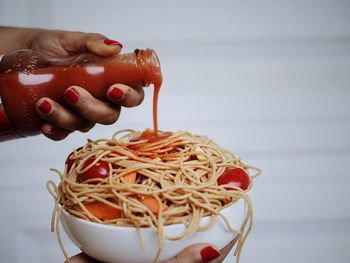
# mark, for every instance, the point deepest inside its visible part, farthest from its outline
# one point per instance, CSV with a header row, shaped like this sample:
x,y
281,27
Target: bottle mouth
x,y
149,66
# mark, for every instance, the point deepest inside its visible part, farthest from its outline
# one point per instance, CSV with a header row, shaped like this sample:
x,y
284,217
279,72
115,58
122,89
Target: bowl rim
x,y
128,228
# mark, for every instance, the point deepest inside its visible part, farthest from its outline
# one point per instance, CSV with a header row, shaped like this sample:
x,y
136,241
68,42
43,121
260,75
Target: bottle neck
x,y
149,66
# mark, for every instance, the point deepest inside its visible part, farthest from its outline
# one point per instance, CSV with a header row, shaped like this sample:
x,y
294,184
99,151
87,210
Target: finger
x,y
79,42
54,133
104,46
197,253
125,96
91,108
59,116
82,258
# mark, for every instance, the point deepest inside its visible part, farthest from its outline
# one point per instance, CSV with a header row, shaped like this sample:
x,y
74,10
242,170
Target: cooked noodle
x,y
178,171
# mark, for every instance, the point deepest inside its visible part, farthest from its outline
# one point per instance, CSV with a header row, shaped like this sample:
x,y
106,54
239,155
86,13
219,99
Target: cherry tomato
x,y
70,162
99,170
235,176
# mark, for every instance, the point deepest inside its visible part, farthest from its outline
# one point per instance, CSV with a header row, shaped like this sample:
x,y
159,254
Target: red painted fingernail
x,y
209,253
110,42
116,94
72,96
45,107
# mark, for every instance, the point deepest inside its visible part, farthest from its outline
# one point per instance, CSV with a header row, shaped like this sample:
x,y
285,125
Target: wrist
x,y
13,38
28,36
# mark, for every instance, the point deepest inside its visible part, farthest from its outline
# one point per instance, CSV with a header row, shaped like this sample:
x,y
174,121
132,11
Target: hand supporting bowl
x,y
116,244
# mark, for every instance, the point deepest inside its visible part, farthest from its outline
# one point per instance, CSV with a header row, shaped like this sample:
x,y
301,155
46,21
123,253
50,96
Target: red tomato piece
x,y
70,162
99,170
235,176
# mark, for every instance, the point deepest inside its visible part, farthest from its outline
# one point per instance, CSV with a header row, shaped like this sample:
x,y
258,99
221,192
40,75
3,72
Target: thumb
x,y
80,42
197,253
81,258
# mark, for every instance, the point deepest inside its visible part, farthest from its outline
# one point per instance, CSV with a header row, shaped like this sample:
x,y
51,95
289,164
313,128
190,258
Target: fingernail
x,y
116,94
72,96
45,107
110,42
209,253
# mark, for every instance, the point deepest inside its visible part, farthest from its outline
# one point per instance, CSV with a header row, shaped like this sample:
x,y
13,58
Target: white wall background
x,y
269,80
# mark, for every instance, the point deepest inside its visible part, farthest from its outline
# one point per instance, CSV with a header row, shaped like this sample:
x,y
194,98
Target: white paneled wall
x,y
269,80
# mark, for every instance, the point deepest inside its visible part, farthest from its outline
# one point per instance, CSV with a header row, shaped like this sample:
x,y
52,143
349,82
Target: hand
x,y
85,110
197,253
62,44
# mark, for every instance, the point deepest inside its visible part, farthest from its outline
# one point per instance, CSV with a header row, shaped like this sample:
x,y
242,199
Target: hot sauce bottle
x,y
26,76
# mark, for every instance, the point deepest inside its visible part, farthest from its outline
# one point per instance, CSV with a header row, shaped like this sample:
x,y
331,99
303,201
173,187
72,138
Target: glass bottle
x,y
26,76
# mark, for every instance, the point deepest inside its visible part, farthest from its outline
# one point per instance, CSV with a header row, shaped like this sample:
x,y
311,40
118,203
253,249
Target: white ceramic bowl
x,y
113,244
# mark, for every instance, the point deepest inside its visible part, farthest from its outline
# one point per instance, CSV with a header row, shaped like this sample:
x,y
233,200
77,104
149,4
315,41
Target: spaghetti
x,y
141,179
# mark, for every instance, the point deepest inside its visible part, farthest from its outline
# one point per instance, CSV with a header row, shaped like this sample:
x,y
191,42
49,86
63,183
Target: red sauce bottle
x,y
26,76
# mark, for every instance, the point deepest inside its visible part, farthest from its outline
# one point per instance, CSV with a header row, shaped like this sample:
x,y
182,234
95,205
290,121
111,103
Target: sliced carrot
x,y
129,178
103,211
156,138
145,135
152,204
151,136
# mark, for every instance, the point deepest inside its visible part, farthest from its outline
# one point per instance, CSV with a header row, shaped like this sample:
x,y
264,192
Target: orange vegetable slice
x,y
152,204
103,211
129,178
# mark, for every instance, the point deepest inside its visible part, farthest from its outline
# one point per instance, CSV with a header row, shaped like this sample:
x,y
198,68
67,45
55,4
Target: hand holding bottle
x,y
84,110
